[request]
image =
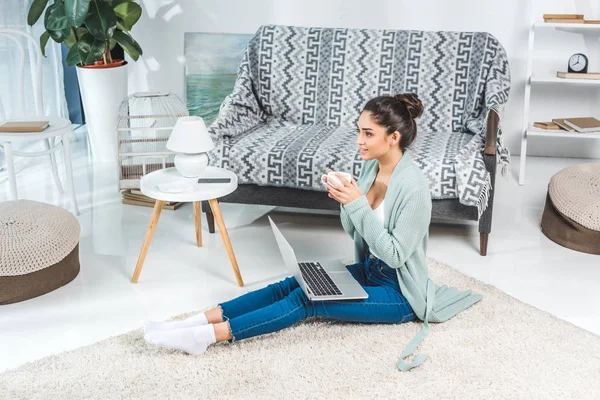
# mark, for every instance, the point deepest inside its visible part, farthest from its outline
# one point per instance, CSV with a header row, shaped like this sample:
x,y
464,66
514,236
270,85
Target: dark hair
x,y
397,113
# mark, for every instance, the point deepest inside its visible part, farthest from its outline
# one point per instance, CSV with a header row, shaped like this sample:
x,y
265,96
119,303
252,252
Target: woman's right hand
x,y
324,178
327,185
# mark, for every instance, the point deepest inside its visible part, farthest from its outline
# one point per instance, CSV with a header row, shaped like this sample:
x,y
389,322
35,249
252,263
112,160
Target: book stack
x,y
135,197
579,125
568,19
564,18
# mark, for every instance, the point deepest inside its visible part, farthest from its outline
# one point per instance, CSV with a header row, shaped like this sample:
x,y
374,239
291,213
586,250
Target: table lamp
x,y
190,140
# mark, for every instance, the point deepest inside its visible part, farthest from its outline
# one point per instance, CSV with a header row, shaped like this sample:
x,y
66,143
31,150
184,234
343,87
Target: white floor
x,y
178,277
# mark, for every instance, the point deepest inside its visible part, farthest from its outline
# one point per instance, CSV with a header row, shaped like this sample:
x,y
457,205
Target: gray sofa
x,y
293,111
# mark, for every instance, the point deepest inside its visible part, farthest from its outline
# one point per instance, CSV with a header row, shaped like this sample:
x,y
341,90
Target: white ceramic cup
x,y
334,180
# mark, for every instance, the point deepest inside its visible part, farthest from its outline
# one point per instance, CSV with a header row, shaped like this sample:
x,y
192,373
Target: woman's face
x,y
372,138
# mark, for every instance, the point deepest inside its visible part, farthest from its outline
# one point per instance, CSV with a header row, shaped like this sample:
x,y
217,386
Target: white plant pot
x,y
102,91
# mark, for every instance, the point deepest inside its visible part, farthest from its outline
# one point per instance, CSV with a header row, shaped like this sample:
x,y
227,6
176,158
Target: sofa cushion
x,y
288,155
284,154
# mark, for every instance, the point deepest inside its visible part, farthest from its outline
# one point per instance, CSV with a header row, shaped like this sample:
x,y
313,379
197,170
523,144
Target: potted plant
x,y
91,29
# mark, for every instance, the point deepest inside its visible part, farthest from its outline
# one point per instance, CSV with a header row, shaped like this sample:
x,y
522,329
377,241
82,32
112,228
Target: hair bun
x,y
412,103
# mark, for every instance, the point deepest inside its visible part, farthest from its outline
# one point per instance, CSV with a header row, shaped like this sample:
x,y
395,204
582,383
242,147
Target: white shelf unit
x,y
533,131
531,80
555,79
567,27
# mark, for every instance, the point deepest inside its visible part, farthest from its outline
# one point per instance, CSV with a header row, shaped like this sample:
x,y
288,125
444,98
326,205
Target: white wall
x,y
161,30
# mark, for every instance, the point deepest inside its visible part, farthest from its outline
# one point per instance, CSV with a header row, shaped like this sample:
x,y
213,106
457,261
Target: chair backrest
x,y
30,58
326,75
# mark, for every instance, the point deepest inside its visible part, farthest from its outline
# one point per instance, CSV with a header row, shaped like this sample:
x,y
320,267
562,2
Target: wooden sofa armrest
x,y
491,133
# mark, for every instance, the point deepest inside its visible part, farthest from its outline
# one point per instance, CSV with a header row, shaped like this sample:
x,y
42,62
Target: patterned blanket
x,y
298,93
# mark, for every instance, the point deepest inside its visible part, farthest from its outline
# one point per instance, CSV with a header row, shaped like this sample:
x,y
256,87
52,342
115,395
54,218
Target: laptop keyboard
x,y
318,280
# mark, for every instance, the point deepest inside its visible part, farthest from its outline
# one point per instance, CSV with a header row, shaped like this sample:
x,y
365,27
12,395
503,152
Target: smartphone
x,y
214,180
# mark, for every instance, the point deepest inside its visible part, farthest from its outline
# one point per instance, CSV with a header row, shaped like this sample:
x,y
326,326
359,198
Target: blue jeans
x,y
282,304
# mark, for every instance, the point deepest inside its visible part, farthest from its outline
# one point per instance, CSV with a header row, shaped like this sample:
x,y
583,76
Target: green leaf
x,y
55,22
43,40
71,39
77,53
96,53
130,12
128,44
36,10
81,31
101,20
113,43
76,11
87,50
120,24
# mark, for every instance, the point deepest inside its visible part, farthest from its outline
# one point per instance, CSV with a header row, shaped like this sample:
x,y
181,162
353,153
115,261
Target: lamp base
x,y
191,165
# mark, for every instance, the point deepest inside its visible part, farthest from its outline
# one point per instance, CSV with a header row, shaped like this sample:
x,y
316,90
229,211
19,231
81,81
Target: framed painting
x,y
211,64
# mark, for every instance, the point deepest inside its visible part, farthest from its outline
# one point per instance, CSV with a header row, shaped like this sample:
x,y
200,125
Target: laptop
x,y
320,280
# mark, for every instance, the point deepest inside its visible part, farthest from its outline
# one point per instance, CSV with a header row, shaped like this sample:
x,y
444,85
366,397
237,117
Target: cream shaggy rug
x,y
500,348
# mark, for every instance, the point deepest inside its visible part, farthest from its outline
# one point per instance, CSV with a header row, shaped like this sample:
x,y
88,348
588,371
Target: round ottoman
x,y
571,216
39,249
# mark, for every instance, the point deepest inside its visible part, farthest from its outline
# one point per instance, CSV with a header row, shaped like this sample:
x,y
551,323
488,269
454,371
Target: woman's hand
x,y
344,194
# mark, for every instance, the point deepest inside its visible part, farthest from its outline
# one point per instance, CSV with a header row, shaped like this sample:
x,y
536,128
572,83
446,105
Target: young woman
x,y
387,213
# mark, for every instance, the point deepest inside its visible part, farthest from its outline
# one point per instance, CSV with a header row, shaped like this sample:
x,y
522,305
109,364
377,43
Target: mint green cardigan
x,y
401,241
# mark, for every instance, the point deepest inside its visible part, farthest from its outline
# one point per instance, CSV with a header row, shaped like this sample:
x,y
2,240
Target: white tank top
x,y
379,215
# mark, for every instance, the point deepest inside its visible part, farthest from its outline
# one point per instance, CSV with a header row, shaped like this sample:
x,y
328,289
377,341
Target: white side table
x,y
199,192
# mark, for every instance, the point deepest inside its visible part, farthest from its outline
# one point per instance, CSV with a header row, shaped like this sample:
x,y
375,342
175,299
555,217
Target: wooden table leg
x,y
151,228
210,218
214,206
198,222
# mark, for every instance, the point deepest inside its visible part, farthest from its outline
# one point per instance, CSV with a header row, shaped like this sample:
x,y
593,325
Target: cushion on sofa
x,y
284,154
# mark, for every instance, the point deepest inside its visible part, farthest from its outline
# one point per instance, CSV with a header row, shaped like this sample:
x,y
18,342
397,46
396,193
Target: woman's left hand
x,y
344,194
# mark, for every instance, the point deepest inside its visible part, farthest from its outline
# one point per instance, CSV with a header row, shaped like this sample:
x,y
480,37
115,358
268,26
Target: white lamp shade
x,y
190,136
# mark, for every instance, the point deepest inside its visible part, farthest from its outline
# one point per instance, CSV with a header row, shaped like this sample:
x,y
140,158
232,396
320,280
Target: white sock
x,y
194,320
194,340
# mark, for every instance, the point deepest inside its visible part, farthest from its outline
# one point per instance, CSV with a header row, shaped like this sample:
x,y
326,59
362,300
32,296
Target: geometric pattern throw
x,y
298,93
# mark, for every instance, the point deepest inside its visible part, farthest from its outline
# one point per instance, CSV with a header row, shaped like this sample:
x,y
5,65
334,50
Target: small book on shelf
x,y
588,124
565,21
24,126
563,16
547,125
578,75
561,122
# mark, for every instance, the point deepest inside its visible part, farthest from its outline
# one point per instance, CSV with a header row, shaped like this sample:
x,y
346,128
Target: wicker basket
x,y
143,127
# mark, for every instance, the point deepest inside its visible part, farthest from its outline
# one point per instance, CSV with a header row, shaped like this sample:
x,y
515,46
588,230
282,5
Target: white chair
x,y
53,137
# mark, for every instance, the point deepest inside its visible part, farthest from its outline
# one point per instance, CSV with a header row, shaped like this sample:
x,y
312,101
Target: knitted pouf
x,y
571,216
39,249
